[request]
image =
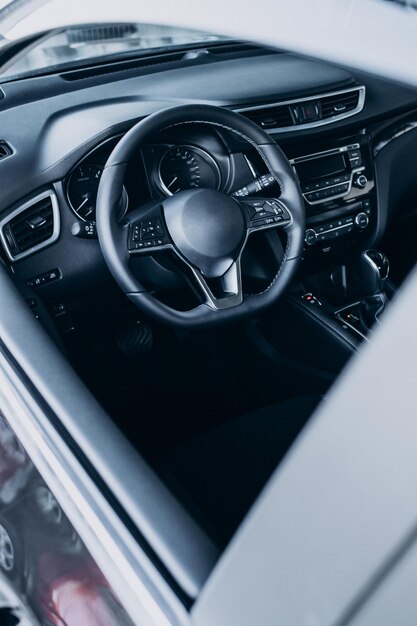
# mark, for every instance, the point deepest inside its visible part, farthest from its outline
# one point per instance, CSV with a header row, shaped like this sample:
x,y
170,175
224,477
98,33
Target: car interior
x,y
208,233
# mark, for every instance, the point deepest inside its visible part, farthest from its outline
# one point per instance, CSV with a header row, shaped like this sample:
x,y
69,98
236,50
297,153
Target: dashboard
x,y
333,127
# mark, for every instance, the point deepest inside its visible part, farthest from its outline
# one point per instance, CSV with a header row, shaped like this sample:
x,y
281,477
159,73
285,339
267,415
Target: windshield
x,y
71,46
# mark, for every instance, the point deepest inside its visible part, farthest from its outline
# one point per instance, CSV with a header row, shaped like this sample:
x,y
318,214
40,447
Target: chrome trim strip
x,y
332,230
288,129
9,145
140,587
316,155
23,207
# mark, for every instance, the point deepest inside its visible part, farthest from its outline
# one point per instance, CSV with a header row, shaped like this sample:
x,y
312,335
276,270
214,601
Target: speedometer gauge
x,y
186,167
83,188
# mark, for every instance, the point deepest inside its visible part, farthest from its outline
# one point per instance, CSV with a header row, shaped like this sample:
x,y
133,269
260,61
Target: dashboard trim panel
x,y
299,127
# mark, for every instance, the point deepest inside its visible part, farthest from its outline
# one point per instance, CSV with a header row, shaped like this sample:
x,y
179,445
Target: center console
x,y
342,289
338,188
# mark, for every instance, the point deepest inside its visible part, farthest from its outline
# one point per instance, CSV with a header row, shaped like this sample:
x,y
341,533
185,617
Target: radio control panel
x,y
331,174
338,189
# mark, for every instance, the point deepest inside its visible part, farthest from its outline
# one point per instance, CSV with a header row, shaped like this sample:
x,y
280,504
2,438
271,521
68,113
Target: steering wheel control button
x,y
264,213
147,234
255,186
273,207
135,234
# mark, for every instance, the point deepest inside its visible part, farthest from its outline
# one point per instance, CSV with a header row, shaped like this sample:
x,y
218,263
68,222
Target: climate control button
x,y
361,220
311,237
360,181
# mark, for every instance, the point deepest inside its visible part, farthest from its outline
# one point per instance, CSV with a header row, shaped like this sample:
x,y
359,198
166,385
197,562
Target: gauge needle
x,y
82,203
172,181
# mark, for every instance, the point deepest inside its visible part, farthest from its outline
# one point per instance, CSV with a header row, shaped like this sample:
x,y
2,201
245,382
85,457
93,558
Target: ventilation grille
x,y
276,117
341,103
5,150
111,32
308,112
31,227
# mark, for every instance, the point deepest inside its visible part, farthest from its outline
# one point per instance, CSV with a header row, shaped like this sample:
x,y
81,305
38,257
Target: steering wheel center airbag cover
x,y
207,227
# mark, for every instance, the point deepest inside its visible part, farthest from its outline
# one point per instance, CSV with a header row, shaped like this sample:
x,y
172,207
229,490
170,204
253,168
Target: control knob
x,y
360,181
310,237
361,220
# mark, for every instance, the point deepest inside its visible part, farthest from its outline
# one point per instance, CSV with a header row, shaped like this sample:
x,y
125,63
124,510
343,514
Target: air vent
x,y
341,103
307,112
94,34
5,150
275,117
241,48
31,227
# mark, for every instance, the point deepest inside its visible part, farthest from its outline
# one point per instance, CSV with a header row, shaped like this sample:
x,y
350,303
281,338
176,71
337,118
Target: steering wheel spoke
x,y
147,232
265,213
223,292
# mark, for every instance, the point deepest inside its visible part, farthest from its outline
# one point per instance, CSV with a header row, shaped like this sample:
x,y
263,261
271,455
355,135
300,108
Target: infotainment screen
x,y
321,166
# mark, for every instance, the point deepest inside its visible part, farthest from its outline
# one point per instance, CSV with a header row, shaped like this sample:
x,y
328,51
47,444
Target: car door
x,y
331,540
85,519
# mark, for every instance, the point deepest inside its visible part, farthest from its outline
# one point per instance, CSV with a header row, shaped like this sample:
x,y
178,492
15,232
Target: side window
x,y
44,566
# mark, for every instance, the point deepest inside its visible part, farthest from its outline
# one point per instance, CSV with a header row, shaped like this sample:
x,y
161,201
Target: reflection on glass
x,y
43,563
70,46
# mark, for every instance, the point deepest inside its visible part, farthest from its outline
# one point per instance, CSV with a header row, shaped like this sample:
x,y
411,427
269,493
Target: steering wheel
x,y
206,229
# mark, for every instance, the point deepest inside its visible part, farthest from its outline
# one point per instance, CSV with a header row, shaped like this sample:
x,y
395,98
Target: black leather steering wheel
x,y
206,229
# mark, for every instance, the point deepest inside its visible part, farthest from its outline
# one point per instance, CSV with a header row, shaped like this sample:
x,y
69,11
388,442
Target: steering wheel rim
x,y
116,238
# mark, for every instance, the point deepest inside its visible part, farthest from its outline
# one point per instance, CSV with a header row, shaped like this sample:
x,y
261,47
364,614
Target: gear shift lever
x,y
375,269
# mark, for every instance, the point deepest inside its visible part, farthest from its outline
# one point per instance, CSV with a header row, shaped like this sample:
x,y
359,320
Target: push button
x,y
147,234
45,278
